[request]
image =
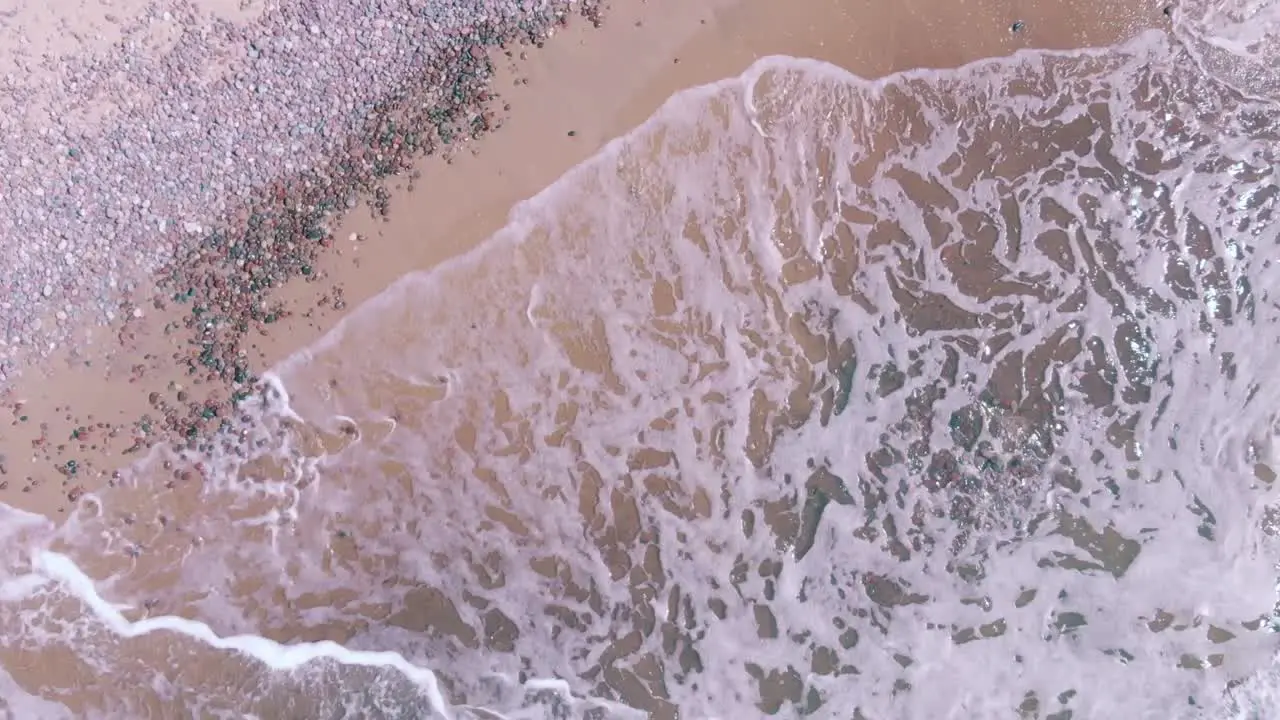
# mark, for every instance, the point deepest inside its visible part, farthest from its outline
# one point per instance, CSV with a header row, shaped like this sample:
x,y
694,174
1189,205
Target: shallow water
x,y
946,395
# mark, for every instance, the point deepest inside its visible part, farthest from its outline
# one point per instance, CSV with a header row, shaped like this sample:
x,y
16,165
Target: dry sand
x,y
567,99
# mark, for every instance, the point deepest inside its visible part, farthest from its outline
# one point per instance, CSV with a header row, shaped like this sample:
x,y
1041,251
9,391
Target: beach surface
x,y
76,419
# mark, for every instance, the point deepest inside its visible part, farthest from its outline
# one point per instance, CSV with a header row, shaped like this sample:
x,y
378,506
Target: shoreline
x,y
83,395
713,53
566,101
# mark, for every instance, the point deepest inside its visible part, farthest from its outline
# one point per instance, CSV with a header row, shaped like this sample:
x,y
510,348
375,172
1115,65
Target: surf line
x,y
274,655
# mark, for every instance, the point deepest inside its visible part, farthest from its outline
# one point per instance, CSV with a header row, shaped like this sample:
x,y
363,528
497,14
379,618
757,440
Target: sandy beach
x,y
75,421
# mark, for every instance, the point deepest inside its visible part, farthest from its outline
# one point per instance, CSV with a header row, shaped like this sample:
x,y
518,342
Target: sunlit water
x,y
948,395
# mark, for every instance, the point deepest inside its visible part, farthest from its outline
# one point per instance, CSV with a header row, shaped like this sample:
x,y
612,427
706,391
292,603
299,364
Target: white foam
x,y
63,570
